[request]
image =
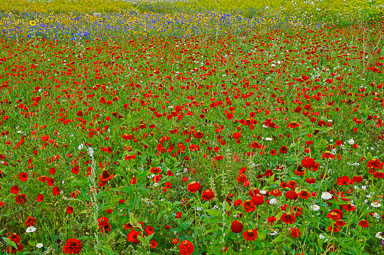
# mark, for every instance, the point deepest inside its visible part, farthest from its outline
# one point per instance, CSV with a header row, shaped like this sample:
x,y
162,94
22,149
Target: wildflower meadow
x,y
192,127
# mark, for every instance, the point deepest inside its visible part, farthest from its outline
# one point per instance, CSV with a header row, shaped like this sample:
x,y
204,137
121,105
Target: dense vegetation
x,y
199,127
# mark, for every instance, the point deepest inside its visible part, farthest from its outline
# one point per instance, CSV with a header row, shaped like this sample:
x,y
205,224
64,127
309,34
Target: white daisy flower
x,y
326,195
39,245
91,151
351,142
273,201
31,229
315,208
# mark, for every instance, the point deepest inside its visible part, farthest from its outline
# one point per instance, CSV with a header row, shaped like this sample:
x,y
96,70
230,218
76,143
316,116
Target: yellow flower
x,y
32,23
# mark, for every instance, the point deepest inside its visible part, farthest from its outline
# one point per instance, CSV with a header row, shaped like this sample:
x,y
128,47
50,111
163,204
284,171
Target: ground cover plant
x,y
154,130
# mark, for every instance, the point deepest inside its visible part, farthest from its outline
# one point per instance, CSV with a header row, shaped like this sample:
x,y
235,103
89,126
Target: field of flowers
x,y
191,127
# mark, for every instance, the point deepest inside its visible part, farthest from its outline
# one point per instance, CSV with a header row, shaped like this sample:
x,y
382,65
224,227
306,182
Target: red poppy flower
x,y
236,135
268,173
168,185
275,193
271,220
15,189
133,236
308,162
198,134
102,220
363,224
237,202
15,237
30,221
72,246
357,179
241,178
21,198
250,235
291,195
219,157
153,244
193,187
105,227
149,230
236,226
288,218
375,163
55,191
294,232
292,184
186,248
304,194
299,171
23,177
293,124
69,209
340,223
335,214
50,182
310,180
75,169
249,206
155,170
327,154
258,199
283,149
348,207
207,195
40,198
344,181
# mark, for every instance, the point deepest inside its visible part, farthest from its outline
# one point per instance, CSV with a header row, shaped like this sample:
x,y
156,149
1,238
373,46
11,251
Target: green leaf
x,y
9,242
83,238
262,235
209,231
186,224
279,215
134,221
270,179
214,212
279,238
162,213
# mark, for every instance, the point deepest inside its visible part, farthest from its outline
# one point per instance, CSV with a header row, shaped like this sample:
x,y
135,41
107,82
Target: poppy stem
x,y
325,174
302,181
